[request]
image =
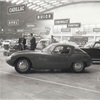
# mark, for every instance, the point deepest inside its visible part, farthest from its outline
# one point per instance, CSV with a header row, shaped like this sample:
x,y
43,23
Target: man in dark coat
x,y
32,42
52,40
22,43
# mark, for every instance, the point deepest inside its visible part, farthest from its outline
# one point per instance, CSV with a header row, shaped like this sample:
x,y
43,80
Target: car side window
x,y
65,50
62,50
58,49
97,45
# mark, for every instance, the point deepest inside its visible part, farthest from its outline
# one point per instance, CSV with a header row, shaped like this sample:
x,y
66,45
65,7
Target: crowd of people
x,y
22,42
32,42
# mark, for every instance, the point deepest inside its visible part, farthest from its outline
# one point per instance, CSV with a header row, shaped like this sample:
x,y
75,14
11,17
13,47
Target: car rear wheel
x,y
22,65
78,67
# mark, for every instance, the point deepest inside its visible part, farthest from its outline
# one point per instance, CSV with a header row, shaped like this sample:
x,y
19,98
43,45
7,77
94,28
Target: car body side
x,y
41,60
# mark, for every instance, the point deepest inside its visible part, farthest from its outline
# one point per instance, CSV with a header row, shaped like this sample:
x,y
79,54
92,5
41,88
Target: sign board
x,y
46,16
61,21
20,30
30,25
81,32
13,22
96,29
65,30
73,25
16,9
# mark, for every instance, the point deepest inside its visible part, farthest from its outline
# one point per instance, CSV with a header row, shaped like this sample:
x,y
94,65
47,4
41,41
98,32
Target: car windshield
x,y
78,50
48,49
89,45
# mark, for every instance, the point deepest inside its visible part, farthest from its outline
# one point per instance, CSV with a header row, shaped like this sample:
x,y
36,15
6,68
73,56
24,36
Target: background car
x,y
54,56
42,43
6,43
93,49
70,43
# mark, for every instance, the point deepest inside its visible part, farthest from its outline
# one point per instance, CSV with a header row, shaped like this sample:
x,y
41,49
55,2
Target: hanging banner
x,y
46,16
73,25
61,21
65,30
96,29
13,22
30,25
17,9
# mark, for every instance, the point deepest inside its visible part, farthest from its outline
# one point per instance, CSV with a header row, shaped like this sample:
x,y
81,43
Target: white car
x,y
6,43
70,43
43,43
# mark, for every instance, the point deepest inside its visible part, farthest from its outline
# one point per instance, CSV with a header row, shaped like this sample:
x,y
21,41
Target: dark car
x,y
93,49
55,56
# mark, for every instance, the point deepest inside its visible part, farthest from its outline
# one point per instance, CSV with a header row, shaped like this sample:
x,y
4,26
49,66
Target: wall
x,y
88,14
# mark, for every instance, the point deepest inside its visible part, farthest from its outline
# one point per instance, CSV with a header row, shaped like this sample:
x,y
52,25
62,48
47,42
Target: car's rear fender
x,y
77,58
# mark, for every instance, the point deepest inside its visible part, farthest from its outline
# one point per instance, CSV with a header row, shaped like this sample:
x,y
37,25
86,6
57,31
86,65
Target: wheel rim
x,y
23,65
78,67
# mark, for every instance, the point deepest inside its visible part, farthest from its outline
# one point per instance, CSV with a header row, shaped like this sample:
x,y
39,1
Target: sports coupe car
x,y
93,49
55,56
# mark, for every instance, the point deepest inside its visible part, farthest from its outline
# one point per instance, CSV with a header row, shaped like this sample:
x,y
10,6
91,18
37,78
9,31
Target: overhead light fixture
x,y
50,7
36,1
14,1
64,1
39,3
8,0
30,1
55,3
52,1
58,4
19,2
42,10
25,2
39,9
35,7
29,4
30,7
47,5
43,4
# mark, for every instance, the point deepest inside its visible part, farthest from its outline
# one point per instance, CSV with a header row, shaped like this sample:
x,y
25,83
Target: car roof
x,y
65,44
97,42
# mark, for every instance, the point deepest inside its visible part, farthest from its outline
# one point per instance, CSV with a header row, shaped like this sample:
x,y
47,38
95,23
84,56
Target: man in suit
x,y
32,42
22,43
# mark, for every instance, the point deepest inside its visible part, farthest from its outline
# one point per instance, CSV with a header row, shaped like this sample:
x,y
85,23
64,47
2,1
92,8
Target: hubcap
x,y
78,66
23,65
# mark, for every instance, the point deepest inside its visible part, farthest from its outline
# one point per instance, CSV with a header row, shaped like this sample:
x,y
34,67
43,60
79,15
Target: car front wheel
x,y
78,67
22,65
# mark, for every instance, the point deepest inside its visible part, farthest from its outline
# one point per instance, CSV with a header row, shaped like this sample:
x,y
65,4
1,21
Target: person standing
x,y
32,42
52,40
22,43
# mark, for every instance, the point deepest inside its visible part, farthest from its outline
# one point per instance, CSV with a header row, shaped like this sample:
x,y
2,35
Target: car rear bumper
x,y
89,62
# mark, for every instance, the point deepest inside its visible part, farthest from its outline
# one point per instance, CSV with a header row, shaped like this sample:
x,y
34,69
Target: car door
x,y
41,61
57,59
94,51
53,60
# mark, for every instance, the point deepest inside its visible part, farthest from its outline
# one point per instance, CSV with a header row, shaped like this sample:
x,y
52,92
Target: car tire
x,y
78,67
22,65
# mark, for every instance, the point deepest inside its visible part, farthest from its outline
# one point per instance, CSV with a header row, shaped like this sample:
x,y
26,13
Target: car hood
x,y
85,48
27,52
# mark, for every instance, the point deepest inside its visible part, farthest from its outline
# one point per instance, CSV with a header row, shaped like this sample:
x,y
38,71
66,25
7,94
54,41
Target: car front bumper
x,y
9,61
